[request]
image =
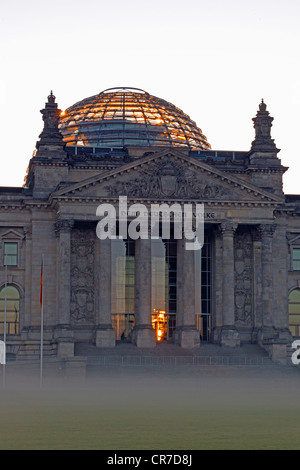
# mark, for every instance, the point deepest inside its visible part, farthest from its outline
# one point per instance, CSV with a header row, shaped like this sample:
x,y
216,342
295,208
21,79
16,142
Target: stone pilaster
x,y
267,231
187,334
144,334
105,335
271,337
257,285
63,332
229,335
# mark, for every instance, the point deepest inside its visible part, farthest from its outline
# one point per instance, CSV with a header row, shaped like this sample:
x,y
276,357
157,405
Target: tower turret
x,y
51,143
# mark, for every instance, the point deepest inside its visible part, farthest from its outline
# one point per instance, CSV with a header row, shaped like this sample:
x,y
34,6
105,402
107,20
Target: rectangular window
x,y
10,254
296,259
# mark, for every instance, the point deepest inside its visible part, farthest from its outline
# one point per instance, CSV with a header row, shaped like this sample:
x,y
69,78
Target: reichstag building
x,y
242,286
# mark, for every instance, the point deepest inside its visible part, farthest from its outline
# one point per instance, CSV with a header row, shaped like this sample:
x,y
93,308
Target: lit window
x,y
9,304
10,254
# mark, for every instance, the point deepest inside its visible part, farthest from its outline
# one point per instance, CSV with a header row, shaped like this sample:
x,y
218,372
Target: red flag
x,y
42,281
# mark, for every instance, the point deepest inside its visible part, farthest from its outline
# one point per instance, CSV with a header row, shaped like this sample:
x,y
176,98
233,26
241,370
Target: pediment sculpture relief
x,y
168,179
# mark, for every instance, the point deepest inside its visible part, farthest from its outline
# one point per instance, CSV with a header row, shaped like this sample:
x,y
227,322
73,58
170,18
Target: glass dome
x,y
119,117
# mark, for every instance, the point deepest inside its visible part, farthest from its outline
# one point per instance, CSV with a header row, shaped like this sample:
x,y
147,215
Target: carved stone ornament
x,y
63,225
227,228
82,276
168,179
267,230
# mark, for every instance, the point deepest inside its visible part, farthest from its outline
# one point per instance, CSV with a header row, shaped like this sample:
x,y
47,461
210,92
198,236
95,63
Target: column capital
x,y
266,230
255,234
63,225
227,228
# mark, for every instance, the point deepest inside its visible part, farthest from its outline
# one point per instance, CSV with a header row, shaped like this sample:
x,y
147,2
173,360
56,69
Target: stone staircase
x,y
30,350
171,355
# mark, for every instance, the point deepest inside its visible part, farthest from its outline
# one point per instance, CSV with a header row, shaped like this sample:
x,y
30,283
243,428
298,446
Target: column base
x,y
63,336
273,334
33,333
105,337
65,348
144,337
188,337
277,351
275,342
230,337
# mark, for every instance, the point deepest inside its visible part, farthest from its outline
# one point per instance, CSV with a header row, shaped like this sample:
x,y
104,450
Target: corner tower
x,y
49,154
264,165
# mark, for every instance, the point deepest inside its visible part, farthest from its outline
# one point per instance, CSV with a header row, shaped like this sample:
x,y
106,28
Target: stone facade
x,y
251,226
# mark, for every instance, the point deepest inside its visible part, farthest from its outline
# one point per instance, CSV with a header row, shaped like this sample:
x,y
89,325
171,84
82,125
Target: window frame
x,y
293,303
12,327
294,248
6,243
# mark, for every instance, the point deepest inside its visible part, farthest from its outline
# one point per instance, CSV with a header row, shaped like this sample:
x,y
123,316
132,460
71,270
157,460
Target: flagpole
x,y
42,322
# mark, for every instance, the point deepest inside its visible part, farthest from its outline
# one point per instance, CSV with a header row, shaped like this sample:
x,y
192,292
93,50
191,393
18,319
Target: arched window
x,y
294,312
12,310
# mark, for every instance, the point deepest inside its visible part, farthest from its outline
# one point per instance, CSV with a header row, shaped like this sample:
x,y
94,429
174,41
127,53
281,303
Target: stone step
x,y
127,354
143,360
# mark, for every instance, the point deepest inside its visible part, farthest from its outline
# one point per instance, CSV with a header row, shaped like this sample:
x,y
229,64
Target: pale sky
x,y
214,59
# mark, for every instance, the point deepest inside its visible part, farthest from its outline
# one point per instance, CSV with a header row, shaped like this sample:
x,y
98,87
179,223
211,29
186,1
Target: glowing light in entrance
x,y
160,324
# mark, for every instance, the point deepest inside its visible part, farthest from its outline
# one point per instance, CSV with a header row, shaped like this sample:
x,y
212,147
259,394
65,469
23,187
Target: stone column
x,y
217,282
267,336
267,231
105,335
187,334
257,285
63,332
229,334
144,334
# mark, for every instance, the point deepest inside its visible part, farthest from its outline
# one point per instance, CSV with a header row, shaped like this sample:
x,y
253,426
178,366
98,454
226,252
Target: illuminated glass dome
x,y
119,117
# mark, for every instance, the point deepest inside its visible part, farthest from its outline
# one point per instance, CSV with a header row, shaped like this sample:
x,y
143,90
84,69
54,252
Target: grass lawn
x,y
152,413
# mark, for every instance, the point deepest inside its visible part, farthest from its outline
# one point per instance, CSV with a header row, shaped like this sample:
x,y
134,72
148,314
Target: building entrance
x,y
164,292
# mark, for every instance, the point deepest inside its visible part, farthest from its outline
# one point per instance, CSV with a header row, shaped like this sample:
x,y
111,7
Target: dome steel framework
x,y
119,117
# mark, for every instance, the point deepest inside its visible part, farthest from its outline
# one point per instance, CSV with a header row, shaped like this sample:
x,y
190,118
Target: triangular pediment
x,y
167,175
12,235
